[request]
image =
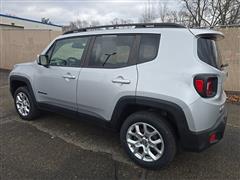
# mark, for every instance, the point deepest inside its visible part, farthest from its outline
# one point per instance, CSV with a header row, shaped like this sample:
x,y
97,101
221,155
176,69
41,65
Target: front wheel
x,y
148,140
24,104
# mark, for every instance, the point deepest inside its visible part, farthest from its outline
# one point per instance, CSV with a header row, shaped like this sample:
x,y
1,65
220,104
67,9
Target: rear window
x,y
208,52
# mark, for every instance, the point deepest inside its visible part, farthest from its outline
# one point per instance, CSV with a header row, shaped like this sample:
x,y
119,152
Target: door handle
x,y
69,76
121,80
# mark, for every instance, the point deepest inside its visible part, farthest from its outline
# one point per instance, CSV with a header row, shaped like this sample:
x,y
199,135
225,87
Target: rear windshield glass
x,y
208,52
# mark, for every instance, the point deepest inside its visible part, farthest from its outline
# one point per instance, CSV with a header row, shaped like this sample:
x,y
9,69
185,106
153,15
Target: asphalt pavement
x,y
57,147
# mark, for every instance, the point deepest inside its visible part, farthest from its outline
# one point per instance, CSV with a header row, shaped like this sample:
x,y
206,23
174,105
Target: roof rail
x,y
135,25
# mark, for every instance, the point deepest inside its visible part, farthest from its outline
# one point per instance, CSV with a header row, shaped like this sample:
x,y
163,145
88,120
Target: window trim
x,y
71,37
132,54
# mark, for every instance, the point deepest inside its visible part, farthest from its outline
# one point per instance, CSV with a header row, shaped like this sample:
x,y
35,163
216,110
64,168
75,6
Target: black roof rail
x,y
135,25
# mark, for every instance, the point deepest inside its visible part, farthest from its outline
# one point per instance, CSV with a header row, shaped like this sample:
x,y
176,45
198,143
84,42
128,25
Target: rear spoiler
x,y
206,33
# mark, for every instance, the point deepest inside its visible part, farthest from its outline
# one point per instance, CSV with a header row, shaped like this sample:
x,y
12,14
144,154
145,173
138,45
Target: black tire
x,y
162,126
33,111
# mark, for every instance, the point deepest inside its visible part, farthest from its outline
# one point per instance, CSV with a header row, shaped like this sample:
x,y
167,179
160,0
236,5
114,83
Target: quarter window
x,y
111,51
68,52
148,47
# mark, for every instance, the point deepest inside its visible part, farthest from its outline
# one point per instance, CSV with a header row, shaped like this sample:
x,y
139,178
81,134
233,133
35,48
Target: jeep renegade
x,y
160,85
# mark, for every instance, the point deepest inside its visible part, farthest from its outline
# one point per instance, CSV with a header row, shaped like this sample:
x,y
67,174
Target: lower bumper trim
x,y
198,142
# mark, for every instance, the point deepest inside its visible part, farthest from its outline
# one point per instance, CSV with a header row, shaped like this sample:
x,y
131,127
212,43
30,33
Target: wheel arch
x,y
130,104
19,81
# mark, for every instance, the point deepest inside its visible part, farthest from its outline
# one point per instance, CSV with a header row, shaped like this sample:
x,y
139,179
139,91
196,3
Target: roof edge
x,y
30,20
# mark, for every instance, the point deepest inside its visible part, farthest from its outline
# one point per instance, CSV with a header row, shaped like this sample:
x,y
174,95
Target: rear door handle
x,y
121,80
69,76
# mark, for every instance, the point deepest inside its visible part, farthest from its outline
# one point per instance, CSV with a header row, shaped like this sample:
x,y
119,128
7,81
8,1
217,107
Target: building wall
x,y
18,46
28,24
230,51
4,26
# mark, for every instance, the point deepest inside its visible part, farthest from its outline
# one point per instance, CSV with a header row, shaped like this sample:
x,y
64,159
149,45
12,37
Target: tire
x,y
31,112
165,134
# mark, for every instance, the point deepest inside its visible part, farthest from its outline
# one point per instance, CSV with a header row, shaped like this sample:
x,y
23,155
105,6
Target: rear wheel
x,y
24,104
148,139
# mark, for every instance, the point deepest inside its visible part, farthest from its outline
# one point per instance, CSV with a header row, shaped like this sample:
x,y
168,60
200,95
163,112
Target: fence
x,y
19,46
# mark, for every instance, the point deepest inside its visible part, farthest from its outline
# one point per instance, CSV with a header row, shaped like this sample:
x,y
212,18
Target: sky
x,y
62,12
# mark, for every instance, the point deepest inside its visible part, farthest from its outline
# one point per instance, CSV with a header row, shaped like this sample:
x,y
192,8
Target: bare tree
x,y
198,11
80,24
164,12
180,17
195,13
94,23
46,20
228,12
149,14
121,21
213,12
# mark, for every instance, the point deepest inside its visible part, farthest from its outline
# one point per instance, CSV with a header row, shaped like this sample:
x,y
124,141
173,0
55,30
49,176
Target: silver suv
x,y
159,85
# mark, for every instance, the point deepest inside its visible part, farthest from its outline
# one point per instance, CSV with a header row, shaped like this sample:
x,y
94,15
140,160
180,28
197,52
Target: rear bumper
x,y
192,141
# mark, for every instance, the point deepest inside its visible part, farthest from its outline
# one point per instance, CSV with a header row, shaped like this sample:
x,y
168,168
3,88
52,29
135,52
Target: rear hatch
x,y
209,53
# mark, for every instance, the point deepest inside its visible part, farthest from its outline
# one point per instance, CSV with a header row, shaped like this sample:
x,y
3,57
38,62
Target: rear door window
x,y
208,52
111,51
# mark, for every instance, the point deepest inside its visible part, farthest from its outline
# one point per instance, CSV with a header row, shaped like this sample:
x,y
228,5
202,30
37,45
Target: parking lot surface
x,y
57,147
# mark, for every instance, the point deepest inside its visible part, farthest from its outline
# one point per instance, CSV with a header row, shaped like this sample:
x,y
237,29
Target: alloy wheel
x,y
145,142
22,104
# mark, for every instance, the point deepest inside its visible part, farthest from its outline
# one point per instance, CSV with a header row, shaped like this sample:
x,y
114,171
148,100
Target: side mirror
x,y
43,60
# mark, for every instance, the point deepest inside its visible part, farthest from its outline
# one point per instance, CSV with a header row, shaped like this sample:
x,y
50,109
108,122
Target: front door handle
x,y
121,80
69,76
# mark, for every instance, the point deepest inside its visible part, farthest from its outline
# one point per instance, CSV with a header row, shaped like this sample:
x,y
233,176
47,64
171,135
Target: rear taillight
x,y
206,85
199,85
210,84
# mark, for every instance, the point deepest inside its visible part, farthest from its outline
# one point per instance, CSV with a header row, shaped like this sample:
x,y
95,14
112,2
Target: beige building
x,y
12,22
